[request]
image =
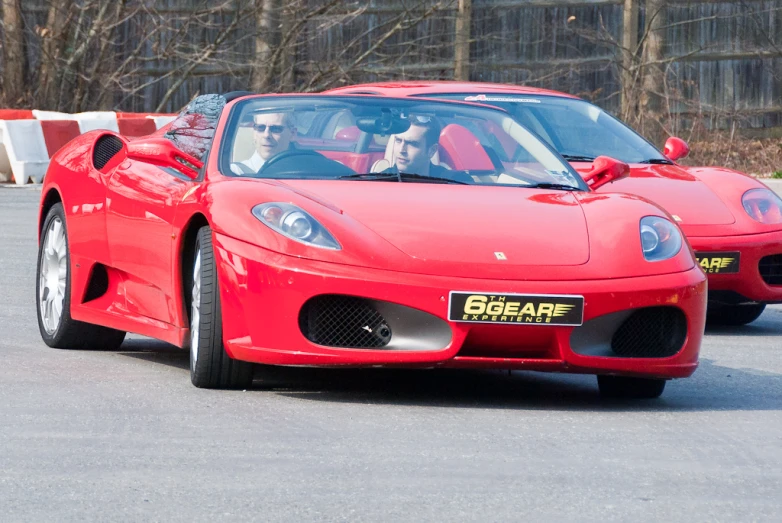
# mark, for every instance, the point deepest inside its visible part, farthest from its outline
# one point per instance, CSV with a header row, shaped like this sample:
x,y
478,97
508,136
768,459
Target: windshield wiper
x,y
658,161
372,177
577,158
559,186
401,177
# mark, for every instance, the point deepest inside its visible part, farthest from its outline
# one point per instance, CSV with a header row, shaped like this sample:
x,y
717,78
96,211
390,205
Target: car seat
x,y
462,150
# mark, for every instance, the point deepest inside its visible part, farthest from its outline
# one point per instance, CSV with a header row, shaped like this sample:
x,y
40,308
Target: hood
x,y
465,225
673,189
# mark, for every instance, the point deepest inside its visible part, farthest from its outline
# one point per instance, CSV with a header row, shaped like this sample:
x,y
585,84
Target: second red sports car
x,y
732,221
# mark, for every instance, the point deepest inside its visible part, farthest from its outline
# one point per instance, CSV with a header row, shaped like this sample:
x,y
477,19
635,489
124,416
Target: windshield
x,y
385,139
578,130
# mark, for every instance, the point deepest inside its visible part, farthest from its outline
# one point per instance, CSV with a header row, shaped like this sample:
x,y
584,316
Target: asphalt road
x,y
124,436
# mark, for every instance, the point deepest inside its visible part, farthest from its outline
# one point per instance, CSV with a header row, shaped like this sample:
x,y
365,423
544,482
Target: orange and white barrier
x,y
29,138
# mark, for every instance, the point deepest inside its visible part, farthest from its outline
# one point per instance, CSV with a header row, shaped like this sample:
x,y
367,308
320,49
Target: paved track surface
x,y
124,436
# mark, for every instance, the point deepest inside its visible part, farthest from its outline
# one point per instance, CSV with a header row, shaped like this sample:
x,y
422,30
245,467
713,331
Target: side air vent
x,y
651,332
106,147
770,268
344,321
98,283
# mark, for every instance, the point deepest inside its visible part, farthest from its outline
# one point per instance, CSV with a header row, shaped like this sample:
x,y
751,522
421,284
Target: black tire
x,y
69,333
210,365
630,388
733,315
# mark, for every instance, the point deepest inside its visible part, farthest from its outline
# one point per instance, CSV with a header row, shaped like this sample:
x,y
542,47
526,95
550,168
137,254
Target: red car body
x,y
706,201
406,247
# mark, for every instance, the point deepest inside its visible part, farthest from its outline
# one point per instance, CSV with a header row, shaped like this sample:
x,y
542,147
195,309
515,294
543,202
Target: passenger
x,y
413,150
272,134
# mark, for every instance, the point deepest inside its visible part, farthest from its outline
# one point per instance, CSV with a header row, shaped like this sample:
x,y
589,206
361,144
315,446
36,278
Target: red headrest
x,y
349,133
461,149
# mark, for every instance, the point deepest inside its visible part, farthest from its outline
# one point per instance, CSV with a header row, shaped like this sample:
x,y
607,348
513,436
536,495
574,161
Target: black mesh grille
x,y
343,321
771,269
105,148
653,332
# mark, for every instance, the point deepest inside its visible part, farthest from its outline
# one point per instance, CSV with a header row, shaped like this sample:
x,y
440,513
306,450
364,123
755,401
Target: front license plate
x,y
516,309
719,262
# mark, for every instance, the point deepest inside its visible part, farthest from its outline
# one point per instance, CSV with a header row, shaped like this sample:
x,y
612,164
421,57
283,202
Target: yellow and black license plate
x,y
516,309
719,262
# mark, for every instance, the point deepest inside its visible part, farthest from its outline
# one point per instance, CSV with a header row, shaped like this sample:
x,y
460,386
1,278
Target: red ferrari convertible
x,y
732,221
272,229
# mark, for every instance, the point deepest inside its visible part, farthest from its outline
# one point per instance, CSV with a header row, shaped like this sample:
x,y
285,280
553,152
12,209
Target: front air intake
x,y
106,147
770,268
652,332
343,321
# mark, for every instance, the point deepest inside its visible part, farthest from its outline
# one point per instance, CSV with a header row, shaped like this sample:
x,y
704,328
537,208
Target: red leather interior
x,y
462,150
361,163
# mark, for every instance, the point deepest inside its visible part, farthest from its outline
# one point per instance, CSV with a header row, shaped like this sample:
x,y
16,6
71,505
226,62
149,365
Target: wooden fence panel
x,y
727,55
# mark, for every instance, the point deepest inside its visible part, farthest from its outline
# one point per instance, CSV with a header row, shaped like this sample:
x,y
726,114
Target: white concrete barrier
x,y
161,121
87,124
88,121
25,149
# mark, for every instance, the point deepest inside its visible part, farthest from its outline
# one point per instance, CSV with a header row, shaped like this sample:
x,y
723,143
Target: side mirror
x,y
676,148
162,152
605,170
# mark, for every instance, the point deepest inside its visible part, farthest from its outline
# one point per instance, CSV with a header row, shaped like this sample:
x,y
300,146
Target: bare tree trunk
x,y
13,53
54,37
629,48
654,73
264,42
288,73
462,41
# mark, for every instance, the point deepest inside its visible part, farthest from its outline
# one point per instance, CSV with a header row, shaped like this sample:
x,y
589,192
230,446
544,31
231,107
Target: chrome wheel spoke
x,y
53,280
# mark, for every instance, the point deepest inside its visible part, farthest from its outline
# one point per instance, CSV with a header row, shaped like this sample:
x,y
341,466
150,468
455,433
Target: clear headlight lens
x,y
660,239
295,223
763,205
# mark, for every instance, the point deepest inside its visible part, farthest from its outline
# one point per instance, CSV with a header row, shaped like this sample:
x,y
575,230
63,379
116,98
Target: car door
x,y
141,204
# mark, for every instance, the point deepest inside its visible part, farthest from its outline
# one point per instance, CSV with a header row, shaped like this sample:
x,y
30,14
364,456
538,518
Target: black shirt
x,y
434,170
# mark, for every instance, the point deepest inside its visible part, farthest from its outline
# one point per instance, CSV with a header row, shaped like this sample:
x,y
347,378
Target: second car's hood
x,y
674,189
469,225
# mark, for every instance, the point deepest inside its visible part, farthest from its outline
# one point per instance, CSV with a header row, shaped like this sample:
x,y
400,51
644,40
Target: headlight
x,y
762,205
296,224
660,239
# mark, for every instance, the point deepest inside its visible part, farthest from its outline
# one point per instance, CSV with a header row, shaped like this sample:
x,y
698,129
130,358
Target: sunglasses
x,y
419,118
274,129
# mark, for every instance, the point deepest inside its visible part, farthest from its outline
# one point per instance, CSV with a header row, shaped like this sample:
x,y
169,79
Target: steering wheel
x,y
286,154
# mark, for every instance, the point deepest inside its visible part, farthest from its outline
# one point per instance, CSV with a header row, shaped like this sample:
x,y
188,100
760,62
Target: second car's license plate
x,y
516,309
719,262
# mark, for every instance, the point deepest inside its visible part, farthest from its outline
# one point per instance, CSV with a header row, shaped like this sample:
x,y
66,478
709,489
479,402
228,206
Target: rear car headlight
x,y
295,223
660,239
763,205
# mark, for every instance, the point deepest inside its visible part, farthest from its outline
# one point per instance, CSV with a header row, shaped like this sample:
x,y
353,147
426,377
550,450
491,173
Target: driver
x,y
413,149
272,134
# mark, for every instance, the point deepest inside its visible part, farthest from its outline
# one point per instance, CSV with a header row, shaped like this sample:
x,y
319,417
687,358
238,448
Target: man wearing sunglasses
x,y
272,134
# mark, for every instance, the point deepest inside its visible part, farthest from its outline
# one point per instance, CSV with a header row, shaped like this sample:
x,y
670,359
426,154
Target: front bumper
x,y
263,292
748,282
